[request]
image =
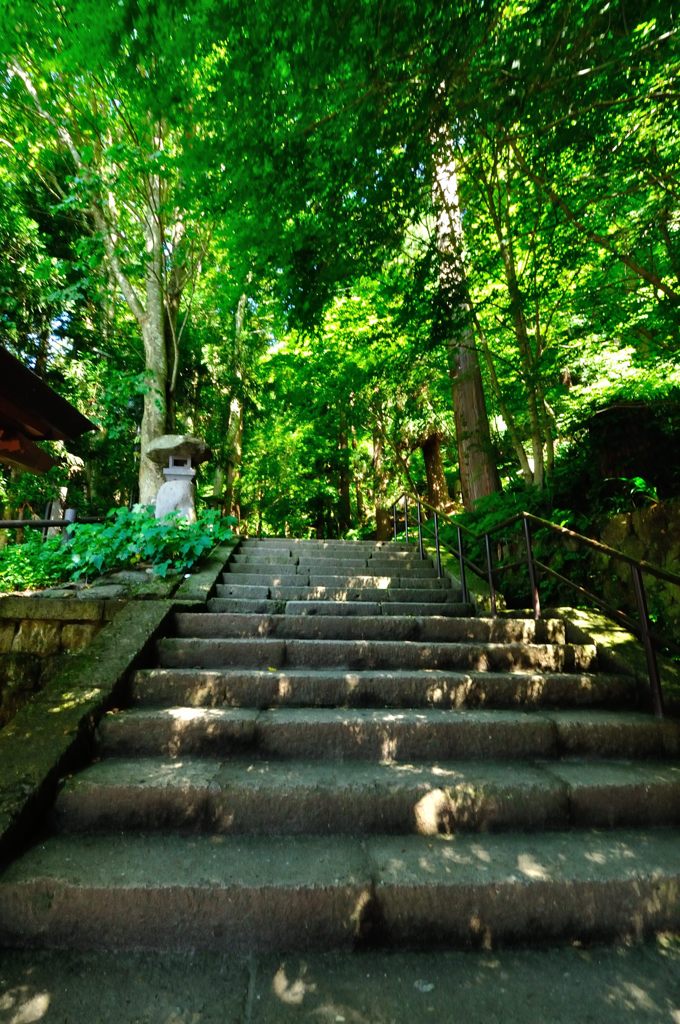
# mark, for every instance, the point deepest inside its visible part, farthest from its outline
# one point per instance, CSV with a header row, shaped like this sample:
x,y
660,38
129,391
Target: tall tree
x,y
103,88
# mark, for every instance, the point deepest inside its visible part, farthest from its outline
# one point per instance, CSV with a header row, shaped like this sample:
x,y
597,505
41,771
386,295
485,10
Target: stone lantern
x,y
178,454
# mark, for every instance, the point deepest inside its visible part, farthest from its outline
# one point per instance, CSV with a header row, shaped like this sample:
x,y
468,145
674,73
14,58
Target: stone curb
x,y
64,609
198,586
52,732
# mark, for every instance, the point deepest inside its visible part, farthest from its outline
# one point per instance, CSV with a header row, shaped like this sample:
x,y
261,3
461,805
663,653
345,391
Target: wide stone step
x,y
246,605
270,569
188,652
407,559
295,569
370,627
447,608
395,688
315,798
350,593
319,548
385,735
381,567
348,581
315,607
247,894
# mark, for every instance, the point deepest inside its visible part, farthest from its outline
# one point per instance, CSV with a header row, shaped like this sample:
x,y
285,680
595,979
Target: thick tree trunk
x,y
437,490
155,409
358,494
383,518
171,358
344,485
154,327
234,449
478,472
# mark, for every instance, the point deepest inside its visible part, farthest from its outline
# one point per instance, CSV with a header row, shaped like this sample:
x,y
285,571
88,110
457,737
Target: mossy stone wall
x,y
35,636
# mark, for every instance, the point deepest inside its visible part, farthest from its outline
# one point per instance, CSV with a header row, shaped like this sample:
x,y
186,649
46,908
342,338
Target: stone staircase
x,y
336,754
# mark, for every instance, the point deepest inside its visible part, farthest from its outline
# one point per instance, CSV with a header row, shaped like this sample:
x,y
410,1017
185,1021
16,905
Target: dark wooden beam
x,y
31,407
17,450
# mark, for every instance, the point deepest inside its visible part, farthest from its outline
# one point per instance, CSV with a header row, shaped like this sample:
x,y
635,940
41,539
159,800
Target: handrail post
x,y
650,653
461,563
489,568
394,519
421,549
406,519
535,599
437,546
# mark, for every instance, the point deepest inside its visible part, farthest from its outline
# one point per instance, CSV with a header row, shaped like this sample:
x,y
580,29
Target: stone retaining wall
x,y
651,534
35,634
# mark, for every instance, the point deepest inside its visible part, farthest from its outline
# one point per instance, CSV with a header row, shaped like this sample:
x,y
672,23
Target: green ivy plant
x,y
131,537
33,564
128,538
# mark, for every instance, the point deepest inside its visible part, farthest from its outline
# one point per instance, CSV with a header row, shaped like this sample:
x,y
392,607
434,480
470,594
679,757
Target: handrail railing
x,y
639,568
45,524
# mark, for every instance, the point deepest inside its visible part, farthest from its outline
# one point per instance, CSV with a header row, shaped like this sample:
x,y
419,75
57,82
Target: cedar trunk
x,y
437,490
478,472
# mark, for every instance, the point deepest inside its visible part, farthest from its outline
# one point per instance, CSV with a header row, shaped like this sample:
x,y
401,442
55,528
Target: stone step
x,y
370,627
246,605
447,607
190,652
245,797
382,566
353,582
318,593
269,569
298,569
395,688
249,893
385,735
319,555
315,607
318,548
405,562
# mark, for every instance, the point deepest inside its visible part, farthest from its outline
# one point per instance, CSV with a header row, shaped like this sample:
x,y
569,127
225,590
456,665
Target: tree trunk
x,y
478,472
503,228
344,485
154,414
437,489
234,449
515,439
383,517
171,357
358,494
154,327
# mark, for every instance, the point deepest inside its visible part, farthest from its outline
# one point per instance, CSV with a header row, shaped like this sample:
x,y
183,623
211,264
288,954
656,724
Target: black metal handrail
x,y
489,572
46,524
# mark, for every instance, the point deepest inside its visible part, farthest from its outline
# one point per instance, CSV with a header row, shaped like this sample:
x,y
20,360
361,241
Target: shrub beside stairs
x,y
337,753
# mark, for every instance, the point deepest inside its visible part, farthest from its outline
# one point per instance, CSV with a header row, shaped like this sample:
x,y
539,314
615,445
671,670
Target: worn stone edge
x,y
53,733
198,586
63,609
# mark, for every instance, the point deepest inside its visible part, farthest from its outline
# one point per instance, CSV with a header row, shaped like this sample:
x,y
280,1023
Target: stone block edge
x,y
53,733
199,586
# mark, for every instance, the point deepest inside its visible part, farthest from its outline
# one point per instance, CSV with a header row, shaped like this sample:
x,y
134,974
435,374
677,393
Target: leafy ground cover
x,y
128,538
